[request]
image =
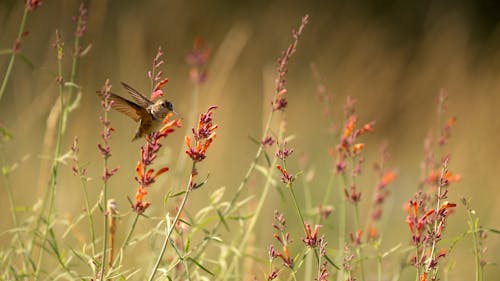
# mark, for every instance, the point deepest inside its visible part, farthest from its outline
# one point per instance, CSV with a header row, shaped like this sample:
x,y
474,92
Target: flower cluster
x,y
280,102
380,193
155,75
349,148
104,147
427,225
203,135
282,154
197,60
311,239
283,239
81,23
267,141
33,4
145,176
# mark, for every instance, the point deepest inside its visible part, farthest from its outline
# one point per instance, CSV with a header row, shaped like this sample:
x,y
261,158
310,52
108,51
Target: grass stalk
x,y
14,52
188,190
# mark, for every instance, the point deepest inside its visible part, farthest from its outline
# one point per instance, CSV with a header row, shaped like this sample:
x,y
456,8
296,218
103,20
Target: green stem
x,y
105,211
13,54
240,187
296,204
89,211
342,223
127,240
50,192
379,267
477,258
359,251
12,206
255,216
174,222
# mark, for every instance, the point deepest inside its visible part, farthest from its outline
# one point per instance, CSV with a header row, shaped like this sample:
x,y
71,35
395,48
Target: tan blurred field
x,y
393,58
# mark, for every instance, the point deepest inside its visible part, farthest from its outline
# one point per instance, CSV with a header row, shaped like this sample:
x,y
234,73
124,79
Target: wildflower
x,y
33,4
325,211
273,275
81,26
197,60
323,273
311,239
283,239
280,102
203,136
104,147
285,177
145,176
268,141
284,153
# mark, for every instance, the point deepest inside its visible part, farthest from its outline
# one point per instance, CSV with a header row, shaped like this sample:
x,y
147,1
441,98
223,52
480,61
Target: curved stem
x,y
126,241
254,219
50,192
13,55
240,187
174,222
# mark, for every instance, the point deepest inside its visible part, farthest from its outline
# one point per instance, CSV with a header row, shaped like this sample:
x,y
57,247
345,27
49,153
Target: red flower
x,y
203,136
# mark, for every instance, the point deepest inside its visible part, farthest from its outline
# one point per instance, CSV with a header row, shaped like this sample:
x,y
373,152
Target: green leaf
x,y
392,250
86,50
254,140
496,231
215,238
331,262
200,266
222,219
27,61
72,84
177,194
5,133
188,243
5,52
216,196
268,159
168,223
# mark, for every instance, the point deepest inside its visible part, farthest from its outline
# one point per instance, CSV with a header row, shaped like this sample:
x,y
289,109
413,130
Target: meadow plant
x,y
215,241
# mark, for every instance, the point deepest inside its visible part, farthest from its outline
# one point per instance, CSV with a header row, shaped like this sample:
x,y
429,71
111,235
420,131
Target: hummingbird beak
x,y
177,113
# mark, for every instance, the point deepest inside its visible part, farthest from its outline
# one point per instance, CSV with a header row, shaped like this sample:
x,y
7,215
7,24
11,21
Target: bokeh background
x,y
393,57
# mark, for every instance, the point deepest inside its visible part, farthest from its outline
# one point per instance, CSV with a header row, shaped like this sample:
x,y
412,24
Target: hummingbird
x,y
147,113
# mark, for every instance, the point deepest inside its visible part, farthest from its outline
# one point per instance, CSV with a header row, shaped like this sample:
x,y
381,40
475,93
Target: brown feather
x,y
138,97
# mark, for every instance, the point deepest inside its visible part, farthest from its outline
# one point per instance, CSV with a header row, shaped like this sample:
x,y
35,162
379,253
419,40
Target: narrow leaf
x,y
200,266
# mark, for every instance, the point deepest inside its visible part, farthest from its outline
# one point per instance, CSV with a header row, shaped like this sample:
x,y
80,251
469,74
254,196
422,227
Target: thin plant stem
x,y
379,267
10,198
50,192
83,183
359,251
255,217
477,259
105,223
189,186
297,208
14,52
436,222
241,186
126,241
342,222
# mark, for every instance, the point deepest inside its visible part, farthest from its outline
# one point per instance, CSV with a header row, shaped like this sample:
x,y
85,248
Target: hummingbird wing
x,y
128,108
138,97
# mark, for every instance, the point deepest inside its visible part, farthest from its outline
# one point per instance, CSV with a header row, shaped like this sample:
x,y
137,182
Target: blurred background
x,y
393,57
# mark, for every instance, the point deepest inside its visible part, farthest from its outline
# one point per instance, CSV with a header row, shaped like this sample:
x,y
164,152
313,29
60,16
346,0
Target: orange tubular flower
x,y
203,136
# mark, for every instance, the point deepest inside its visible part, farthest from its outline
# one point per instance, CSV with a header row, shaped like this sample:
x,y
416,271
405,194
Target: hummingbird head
x,y
168,105
161,108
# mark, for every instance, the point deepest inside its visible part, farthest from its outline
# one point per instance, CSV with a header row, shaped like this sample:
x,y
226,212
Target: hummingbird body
x,y
147,113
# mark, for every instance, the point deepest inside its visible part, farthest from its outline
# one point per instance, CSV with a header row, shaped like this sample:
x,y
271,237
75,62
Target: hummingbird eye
x,y
168,105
